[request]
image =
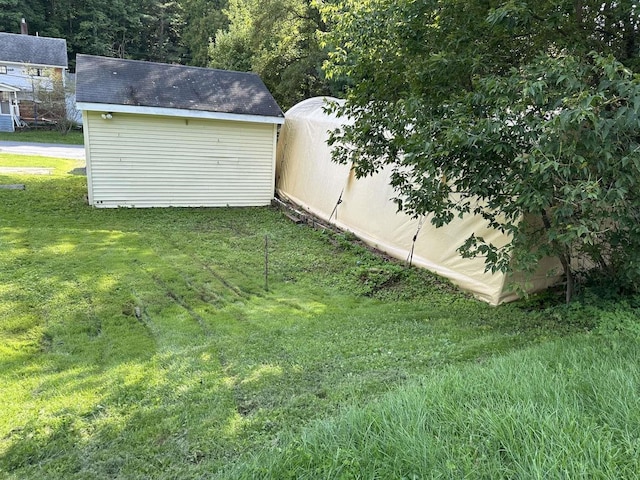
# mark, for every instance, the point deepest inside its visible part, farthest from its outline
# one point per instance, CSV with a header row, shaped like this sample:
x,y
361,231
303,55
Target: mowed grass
x,y
39,135
567,409
146,344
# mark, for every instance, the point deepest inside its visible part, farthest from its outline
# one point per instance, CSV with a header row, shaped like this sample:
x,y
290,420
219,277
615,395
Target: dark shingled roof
x,y
132,82
28,49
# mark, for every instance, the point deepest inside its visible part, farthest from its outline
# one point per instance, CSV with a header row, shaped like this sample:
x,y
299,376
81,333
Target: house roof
x,y
45,51
113,81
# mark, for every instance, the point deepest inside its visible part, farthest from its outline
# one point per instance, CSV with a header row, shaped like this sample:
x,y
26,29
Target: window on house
x,y
4,103
3,69
36,72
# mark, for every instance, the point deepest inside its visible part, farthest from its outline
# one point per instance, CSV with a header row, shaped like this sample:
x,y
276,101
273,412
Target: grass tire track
x,y
237,291
180,301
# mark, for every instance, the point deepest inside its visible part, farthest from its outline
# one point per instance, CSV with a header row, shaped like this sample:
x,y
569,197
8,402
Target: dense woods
x,y
166,31
277,39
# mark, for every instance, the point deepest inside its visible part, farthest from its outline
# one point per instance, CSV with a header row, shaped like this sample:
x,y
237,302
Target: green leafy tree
x,y
233,48
98,27
148,29
13,11
202,20
278,39
159,35
499,109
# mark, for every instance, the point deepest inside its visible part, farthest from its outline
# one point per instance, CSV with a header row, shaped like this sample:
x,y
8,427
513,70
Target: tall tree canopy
x,y
278,39
202,20
13,11
160,30
525,112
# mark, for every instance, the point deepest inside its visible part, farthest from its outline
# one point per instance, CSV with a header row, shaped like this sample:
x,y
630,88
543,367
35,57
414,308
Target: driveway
x,y
44,149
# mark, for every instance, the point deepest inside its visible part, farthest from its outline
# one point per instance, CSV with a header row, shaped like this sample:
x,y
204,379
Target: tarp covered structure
x,y
306,176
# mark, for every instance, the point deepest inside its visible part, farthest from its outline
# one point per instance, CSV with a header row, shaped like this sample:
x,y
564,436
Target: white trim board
x,y
32,65
8,88
177,112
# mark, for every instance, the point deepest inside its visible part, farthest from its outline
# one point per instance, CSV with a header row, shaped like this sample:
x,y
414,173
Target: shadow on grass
x,y
120,351
153,350
133,424
79,171
95,370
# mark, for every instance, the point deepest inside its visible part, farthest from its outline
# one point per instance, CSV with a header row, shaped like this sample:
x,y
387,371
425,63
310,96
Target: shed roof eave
x,y
177,112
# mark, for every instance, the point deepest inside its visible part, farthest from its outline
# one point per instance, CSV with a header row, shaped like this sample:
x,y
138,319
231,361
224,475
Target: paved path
x,y
44,149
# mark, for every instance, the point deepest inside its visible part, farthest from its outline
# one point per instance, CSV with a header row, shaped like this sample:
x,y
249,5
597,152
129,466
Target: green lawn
x,y
74,137
145,344
567,409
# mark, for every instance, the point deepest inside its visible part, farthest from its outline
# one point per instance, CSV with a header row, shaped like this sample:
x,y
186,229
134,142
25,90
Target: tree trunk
x,y
578,9
565,260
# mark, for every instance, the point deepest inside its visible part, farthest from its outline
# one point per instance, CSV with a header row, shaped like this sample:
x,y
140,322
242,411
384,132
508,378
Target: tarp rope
x,y
335,209
415,237
346,184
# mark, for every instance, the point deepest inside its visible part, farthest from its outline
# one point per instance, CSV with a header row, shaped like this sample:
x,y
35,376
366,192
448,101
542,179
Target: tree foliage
x,y
523,112
159,30
202,20
278,39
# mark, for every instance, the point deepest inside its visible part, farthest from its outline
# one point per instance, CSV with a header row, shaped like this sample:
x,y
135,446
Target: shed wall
x,y
153,161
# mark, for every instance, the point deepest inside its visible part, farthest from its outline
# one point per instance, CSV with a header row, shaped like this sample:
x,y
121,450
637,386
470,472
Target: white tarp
x,y
306,176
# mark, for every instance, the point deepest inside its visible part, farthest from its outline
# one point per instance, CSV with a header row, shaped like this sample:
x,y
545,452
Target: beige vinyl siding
x,y
154,161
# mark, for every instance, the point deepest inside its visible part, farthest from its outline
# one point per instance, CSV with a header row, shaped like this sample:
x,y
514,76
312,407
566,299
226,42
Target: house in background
x,y
9,113
29,66
159,135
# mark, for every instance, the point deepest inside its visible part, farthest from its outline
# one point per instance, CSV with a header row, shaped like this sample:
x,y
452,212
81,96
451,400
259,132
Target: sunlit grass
x,y
145,344
58,166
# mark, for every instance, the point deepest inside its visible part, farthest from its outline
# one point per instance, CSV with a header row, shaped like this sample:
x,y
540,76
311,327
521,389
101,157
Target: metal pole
x,y
266,263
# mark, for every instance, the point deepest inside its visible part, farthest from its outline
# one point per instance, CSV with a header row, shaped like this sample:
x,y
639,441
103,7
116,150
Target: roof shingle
x,y
16,48
116,81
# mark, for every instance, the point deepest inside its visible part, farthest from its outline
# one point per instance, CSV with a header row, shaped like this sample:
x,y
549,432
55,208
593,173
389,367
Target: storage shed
x,y
159,135
307,176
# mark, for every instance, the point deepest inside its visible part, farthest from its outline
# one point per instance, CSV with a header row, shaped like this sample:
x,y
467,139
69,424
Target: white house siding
x,y
23,77
17,76
153,161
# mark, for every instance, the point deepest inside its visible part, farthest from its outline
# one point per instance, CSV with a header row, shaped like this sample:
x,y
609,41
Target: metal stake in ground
x,y
266,263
